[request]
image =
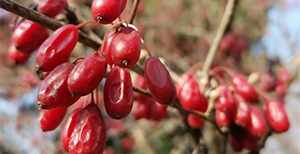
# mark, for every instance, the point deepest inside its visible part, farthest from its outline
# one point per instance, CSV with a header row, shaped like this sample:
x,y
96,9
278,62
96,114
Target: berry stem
x,y
143,42
85,23
133,10
229,71
195,67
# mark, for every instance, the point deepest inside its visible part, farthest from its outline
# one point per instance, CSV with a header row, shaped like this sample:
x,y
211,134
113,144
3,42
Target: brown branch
x,y
220,32
133,10
43,20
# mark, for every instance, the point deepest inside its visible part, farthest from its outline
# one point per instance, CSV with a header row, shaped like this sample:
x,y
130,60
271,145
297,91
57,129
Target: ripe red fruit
x,y
68,128
140,82
57,48
241,112
257,125
89,134
267,82
284,75
50,119
280,88
17,57
226,100
106,46
126,47
158,111
142,107
244,88
276,115
87,74
190,96
28,36
70,100
51,8
127,143
118,93
227,42
249,141
106,11
54,90
183,79
195,121
223,119
159,81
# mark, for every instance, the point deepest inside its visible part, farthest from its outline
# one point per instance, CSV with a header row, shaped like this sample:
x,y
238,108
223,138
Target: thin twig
x,y
43,20
133,10
220,32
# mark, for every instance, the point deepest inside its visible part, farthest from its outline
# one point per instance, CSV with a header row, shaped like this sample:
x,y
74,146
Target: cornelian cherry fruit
x,y
276,115
51,8
28,36
159,81
126,47
223,119
106,46
241,112
57,48
195,121
106,11
89,134
50,119
17,57
87,74
118,93
68,128
257,125
226,100
244,88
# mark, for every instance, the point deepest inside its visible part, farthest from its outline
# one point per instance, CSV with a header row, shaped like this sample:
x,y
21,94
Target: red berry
x,y
51,7
257,125
241,112
276,115
127,143
140,82
158,111
280,88
244,88
223,119
106,46
68,128
106,11
69,100
89,134
267,82
195,121
50,119
126,47
118,93
54,90
183,79
142,108
226,100
57,48
249,141
17,57
87,74
236,144
227,42
159,81
284,75
28,36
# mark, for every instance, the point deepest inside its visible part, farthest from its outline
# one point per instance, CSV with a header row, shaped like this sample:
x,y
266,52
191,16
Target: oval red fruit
x,y
106,11
106,46
241,112
87,74
195,121
159,81
50,119
89,134
17,57
244,88
68,128
223,119
51,7
257,125
276,115
28,36
118,93
126,47
226,100
57,48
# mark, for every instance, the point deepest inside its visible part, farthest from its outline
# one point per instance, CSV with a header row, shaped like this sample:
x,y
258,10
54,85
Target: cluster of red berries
x,y
232,45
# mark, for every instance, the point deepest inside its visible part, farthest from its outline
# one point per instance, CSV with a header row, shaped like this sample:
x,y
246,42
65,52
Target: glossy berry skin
x,y
68,128
183,79
244,88
17,57
276,115
159,81
28,36
51,8
50,119
195,121
69,100
118,93
190,96
126,47
223,119
89,134
87,74
57,48
257,125
106,11
54,90
241,112
226,100
106,46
